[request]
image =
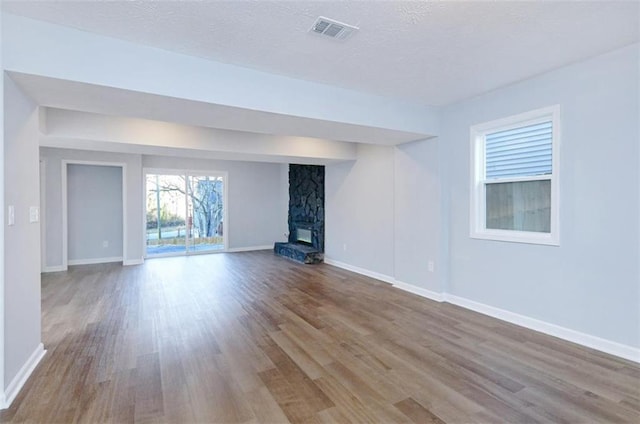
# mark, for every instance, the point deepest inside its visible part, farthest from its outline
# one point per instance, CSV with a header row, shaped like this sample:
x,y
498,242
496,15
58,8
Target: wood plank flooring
x,y
254,338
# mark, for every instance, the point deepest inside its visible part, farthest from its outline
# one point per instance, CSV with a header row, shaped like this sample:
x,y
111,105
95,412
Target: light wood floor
x,y
249,337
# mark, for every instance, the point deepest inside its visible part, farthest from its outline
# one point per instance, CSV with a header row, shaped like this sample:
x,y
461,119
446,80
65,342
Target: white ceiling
x,y
432,52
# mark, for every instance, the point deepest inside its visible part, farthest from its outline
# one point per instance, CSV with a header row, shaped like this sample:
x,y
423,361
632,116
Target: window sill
x,y
548,239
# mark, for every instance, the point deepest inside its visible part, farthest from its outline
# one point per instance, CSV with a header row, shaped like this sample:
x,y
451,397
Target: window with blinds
x,y
519,152
515,178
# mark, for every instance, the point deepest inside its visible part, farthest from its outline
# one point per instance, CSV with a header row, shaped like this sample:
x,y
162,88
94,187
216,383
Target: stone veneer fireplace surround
x,y
306,215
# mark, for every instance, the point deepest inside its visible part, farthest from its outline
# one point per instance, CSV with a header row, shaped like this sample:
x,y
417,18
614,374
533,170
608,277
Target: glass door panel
x,y
205,206
166,231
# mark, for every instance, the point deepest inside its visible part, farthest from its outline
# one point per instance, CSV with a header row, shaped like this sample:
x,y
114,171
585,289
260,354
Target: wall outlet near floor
x,y
105,243
430,266
344,247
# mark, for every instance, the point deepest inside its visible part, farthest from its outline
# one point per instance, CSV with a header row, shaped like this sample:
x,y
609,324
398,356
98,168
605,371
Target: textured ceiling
x,y
432,52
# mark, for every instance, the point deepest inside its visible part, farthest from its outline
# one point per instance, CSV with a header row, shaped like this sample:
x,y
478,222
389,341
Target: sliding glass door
x,y
166,214
184,213
205,212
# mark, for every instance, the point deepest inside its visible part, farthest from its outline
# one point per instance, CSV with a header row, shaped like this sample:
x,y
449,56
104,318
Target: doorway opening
x,y
94,199
185,213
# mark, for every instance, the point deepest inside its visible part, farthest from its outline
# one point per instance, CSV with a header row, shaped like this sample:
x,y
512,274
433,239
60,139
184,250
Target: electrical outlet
x,y
431,266
344,247
105,243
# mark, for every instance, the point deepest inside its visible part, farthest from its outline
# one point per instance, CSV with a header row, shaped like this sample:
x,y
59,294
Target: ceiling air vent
x,y
332,28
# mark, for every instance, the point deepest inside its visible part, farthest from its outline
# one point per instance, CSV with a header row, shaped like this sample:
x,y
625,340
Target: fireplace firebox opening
x,y
304,235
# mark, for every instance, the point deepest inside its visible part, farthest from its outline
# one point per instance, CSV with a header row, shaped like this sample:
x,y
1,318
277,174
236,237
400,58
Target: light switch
x,y
34,214
11,215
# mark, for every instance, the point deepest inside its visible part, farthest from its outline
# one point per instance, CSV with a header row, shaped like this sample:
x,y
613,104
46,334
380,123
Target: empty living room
x,y
230,211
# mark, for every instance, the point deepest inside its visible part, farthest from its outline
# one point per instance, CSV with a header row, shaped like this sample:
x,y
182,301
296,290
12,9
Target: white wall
x,y
359,199
591,283
2,224
22,256
53,213
255,193
417,217
257,209
385,207
94,208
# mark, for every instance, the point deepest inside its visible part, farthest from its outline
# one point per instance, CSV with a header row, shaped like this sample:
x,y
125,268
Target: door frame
x,y
65,218
187,173
43,215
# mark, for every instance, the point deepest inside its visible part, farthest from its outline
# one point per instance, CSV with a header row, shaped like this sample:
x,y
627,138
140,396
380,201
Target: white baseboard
x,y
249,248
617,349
92,261
362,271
438,297
18,381
607,346
128,262
54,268
429,294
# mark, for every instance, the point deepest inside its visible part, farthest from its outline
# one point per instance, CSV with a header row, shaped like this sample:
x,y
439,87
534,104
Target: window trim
x,y
477,216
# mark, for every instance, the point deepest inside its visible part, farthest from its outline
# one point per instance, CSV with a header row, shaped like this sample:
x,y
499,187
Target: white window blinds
x,y
519,152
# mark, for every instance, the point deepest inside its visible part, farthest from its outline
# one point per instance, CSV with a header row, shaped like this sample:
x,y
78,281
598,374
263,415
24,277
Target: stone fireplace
x,y
306,215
